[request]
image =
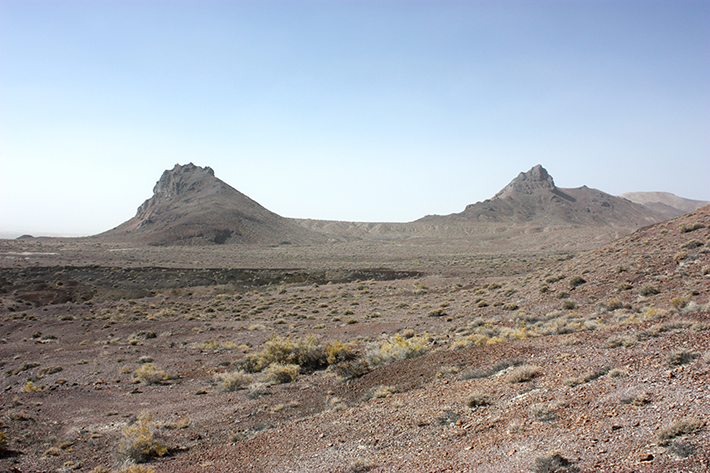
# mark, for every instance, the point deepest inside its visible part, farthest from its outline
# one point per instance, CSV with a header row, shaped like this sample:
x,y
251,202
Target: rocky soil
x,y
451,359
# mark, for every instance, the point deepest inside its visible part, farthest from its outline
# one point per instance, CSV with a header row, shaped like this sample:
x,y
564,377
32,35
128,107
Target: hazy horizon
x,y
355,111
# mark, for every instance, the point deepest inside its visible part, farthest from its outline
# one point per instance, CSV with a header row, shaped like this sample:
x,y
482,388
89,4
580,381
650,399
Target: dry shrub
x,y
568,305
576,281
335,404
278,373
523,373
624,286
30,387
487,371
638,400
682,449
397,348
554,462
232,381
150,374
379,392
306,353
350,369
136,469
690,227
139,441
544,412
649,290
692,244
478,399
590,376
678,302
680,256
681,357
681,427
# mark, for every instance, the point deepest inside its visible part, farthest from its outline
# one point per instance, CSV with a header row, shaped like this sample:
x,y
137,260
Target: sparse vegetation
x,y
245,337
477,399
576,281
554,462
150,374
523,374
139,442
487,371
590,376
232,381
649,290
397,348
681,357
681,427
278,373
690,227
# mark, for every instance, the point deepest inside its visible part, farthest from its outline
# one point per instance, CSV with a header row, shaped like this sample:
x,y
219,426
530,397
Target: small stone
x,y
646,457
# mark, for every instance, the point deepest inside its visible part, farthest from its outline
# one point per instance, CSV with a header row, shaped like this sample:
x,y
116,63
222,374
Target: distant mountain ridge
x,y
665,203
190,206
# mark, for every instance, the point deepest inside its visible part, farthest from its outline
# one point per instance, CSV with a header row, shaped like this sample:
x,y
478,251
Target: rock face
x,y
528,183
191,206
533,197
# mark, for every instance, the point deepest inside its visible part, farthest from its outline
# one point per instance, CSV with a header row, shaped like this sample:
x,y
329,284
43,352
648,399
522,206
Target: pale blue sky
x,y
345,110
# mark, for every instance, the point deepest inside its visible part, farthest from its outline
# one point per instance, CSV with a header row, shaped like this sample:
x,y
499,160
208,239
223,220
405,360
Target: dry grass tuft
x,y
681,427
523,374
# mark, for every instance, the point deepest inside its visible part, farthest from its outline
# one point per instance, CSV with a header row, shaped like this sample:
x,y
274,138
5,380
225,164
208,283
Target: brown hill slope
x,y
191,206
668,204
529,213
532,197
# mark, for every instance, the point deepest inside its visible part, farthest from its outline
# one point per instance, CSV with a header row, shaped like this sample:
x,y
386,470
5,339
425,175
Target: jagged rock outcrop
x,y
191,206
528,183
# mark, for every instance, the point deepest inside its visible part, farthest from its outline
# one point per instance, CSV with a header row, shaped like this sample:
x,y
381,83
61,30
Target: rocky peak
x,y
529,182
175,182
180,179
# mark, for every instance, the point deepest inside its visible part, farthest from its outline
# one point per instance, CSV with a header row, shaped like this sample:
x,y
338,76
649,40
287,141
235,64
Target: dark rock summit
x,y
529,182
533,197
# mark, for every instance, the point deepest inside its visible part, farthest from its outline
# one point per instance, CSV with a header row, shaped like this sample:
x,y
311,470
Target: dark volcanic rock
x,y
191,206
532,197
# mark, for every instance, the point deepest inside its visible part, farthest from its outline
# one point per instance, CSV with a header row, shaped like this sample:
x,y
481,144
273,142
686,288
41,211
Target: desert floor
x,y
370,356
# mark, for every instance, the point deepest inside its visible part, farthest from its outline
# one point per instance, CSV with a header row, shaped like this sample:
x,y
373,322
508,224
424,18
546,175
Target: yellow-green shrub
x,y
397,348
150,374
232,381
139,442
278,373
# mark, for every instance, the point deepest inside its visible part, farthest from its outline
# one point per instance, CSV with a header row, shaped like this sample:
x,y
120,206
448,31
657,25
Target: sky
x,y
375,111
